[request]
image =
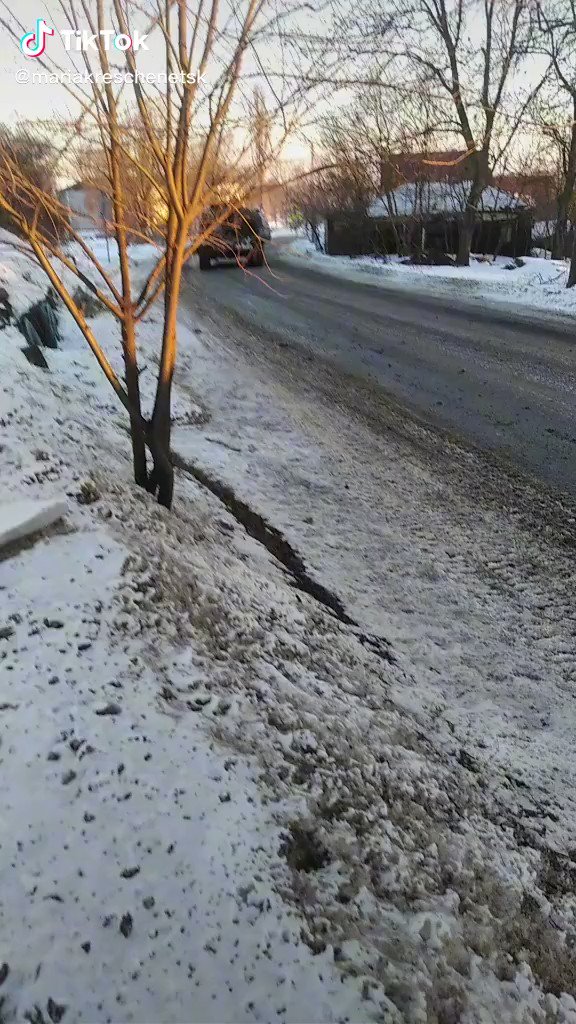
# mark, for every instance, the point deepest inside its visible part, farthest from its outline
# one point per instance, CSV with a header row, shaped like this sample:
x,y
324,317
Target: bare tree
x,y
549,150
557,24
381,123
261,141
141,182
463,57
182,129
31,151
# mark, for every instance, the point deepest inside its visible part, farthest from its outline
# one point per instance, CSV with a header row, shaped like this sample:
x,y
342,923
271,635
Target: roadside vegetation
x,y
160,158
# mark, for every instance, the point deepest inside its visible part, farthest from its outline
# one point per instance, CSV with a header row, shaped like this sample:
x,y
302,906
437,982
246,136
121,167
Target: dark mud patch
x,y
557,874
303,850
276,544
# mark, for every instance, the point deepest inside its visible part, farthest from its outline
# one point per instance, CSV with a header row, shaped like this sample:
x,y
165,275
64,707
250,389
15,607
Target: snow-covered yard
x,y
215,806
539,284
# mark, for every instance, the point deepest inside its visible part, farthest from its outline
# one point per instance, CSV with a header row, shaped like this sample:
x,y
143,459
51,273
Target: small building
x,y
428,165
425,216
90,208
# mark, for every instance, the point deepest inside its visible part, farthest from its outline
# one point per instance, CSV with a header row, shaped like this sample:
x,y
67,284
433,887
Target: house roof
x,y
427,198
79,186
429,165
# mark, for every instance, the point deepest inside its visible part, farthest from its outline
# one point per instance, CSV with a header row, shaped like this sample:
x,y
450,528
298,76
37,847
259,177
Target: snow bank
x,y
106,251
539,284
26,282
19,519
141,872
213,808
136,881
20,274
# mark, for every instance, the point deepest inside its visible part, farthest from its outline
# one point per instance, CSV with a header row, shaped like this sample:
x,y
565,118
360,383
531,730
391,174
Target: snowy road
x,y
505,382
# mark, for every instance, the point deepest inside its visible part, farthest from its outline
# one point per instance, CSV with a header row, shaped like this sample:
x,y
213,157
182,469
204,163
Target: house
x,y
424,216
429,165
540,191
90,208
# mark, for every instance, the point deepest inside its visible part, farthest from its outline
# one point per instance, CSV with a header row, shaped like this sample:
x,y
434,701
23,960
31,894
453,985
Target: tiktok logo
x,y
33,44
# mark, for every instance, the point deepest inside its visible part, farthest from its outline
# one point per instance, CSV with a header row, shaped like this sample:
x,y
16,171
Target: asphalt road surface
x,y
505,381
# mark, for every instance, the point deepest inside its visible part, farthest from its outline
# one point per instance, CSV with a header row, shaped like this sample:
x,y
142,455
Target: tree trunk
x,y
137,433
561,228
315,236
465,235
138,439
161,480
468,221
566,197
466,232
572,272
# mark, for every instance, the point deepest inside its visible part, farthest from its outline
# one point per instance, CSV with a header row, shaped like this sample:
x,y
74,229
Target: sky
x,y
22,101
26,101
19,101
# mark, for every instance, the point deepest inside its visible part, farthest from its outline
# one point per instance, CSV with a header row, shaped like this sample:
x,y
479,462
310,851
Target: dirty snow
x,y
136,855
539,284
480,607
139,863
216,806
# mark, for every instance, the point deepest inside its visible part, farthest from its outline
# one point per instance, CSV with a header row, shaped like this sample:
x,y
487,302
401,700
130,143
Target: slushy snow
x,y
215,808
